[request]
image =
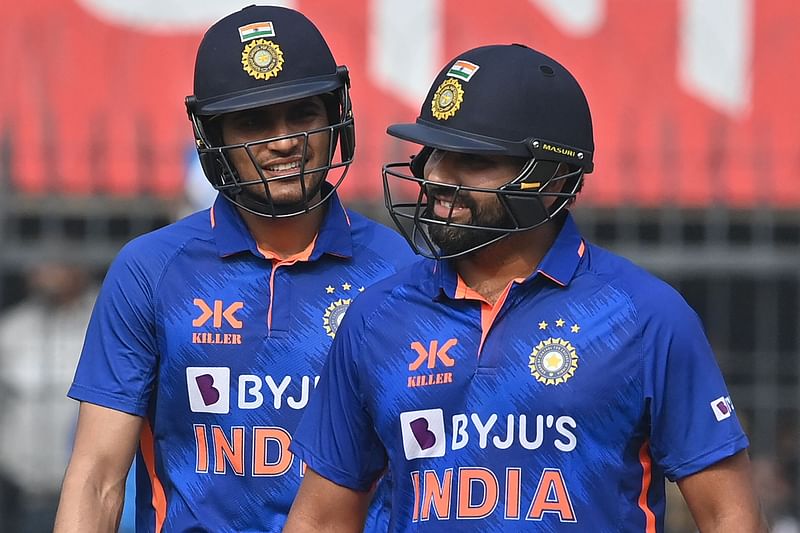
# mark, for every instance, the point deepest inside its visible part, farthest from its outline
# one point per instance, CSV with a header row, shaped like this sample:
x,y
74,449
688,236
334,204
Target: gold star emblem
x,y
575,328
346,286
542,325
329,289
553,361
560,322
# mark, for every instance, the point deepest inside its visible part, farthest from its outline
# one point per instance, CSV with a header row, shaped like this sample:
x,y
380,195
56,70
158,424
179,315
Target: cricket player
x,y
208,336
524,379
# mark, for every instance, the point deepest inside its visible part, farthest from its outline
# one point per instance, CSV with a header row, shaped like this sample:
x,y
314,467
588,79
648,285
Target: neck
x,y
284,236
489,270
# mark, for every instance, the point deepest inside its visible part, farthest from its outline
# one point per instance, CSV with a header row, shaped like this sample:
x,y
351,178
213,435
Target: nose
x,y
282,139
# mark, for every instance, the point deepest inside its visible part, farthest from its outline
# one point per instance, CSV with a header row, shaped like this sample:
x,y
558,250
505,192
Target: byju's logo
x,y
722,407
423,433
209,389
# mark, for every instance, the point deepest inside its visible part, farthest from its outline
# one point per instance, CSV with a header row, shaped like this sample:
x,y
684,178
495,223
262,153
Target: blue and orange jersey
x,y
562,407
219,346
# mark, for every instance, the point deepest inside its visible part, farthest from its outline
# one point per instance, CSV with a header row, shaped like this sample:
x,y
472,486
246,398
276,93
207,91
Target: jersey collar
x,y
561,261
558,266
232,236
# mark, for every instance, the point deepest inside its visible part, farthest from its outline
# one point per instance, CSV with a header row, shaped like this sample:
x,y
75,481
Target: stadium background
x,y
696,146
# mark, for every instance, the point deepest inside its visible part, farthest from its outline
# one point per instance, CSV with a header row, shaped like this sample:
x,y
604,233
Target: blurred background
x,y
697,148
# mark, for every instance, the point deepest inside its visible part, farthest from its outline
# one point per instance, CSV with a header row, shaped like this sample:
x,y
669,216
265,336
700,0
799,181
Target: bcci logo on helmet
x,y
262,59
447,99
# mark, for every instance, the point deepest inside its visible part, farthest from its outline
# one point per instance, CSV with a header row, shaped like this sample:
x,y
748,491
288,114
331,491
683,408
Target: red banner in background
x,y
691,107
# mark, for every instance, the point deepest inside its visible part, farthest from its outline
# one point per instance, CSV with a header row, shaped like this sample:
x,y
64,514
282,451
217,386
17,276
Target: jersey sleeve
x,y
693,423
336,436
119,358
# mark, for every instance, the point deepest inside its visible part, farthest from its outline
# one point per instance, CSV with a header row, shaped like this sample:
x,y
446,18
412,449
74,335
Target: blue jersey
x,y
560,408
219,347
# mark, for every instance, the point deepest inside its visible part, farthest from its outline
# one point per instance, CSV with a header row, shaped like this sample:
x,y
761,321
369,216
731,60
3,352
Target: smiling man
x,y
208,336
527,380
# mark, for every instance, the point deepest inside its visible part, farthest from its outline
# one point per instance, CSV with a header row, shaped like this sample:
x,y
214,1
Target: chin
x,y
279,193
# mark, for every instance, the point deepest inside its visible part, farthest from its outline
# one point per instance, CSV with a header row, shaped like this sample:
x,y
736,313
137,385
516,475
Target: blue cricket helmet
x,y
256,57
507,100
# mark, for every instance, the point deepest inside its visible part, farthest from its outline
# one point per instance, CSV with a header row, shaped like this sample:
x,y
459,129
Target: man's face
x,y
282,156
462,207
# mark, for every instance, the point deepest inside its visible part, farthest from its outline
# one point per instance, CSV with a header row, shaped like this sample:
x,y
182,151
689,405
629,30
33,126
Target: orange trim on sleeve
x,y
159,501
213,217
647,467
581,248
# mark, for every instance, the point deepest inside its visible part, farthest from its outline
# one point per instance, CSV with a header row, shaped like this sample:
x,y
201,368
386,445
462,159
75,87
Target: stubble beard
x,y
456,240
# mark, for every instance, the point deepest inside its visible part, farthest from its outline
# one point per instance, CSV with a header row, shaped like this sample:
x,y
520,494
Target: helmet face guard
x,y
407,194
254,195
500,100
258,57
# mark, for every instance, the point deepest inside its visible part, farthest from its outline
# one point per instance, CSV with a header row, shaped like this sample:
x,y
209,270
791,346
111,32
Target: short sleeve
x,y
119,357
693,423
336,437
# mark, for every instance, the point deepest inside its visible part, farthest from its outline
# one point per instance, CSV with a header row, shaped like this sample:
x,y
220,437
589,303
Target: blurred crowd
x,y
40,341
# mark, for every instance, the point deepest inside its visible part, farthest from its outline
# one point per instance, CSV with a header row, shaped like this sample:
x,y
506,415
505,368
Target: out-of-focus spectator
x,y
40,341
776,495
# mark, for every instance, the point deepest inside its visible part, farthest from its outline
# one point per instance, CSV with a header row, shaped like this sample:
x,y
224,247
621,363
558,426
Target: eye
x,y
307,111
246,122
476,161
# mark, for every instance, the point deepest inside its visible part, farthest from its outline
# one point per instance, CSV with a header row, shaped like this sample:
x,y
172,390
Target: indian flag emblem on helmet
x,y
256,30
262,59
463,70
447,99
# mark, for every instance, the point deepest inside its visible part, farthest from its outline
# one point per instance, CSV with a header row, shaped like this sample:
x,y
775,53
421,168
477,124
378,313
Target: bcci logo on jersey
x,y
209,389
553,361
334,314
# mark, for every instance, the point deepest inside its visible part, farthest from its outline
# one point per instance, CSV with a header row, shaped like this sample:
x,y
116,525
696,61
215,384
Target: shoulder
x,y
652,298
149,254
172,236
375,236
405,286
